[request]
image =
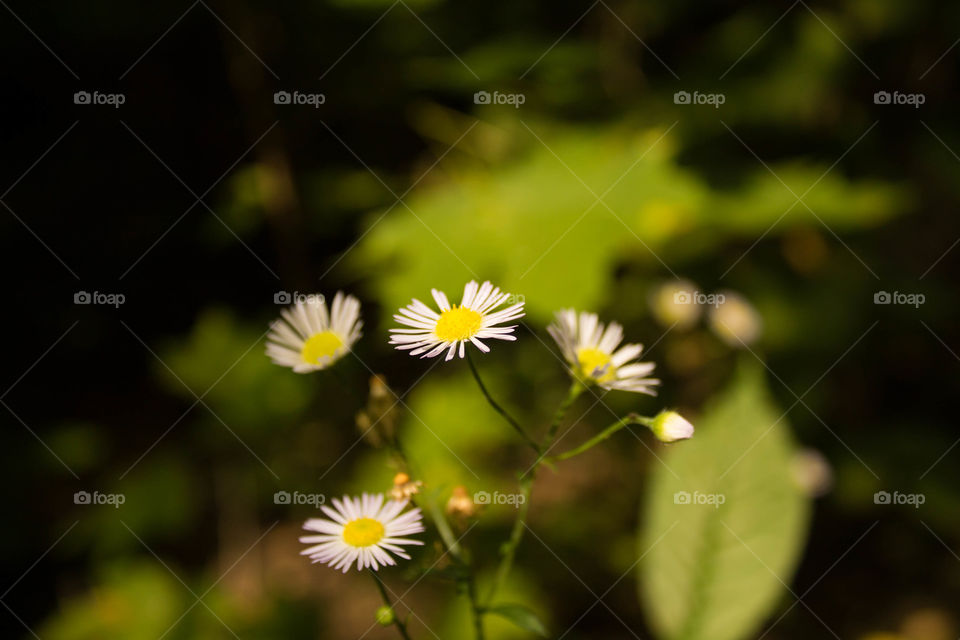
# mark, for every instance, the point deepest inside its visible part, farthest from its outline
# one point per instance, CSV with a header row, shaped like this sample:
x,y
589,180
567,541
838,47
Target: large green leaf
x,y
713,570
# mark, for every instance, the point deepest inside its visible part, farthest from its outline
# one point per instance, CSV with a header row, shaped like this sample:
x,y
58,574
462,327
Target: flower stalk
x,y
496,406
397,622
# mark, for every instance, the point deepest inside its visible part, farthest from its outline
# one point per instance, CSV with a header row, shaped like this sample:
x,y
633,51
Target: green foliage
x,y
520,616
245,389
137,601
713,571
533,224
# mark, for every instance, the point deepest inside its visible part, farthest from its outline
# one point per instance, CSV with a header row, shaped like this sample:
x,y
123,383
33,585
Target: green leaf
x,y
520,616
725,522
531,222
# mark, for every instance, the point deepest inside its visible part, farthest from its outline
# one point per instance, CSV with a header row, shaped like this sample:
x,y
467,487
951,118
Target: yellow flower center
x,y
458,323
363,532
320,345
590,359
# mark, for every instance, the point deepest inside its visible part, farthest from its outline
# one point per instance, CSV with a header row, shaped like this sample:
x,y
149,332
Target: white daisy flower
x,y
362,530
308,338
431,333
593,355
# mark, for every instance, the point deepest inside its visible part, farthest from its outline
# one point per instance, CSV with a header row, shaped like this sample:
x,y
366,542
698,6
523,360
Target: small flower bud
x,y
811,472
460,503
670,426
676,303
403,488
378,388
386,616
735,320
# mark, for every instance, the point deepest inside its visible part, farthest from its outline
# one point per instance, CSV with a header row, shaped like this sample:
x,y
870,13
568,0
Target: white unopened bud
x,y
670,426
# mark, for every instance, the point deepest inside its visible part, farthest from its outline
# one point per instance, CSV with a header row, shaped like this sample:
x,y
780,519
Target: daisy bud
x,y
676,303
385,616
735,320
403,487
460,504
811,472
670,426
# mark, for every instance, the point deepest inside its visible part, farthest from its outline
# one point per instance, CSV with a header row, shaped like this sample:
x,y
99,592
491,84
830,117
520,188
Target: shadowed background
x,y
200,198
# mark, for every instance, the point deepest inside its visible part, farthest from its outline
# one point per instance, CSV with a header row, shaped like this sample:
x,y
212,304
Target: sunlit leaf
x,y
724,523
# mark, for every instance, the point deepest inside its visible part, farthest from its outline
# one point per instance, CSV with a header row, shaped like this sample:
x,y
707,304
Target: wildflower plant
x,y
375,530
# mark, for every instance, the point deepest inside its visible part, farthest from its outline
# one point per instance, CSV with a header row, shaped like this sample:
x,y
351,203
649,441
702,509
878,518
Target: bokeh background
x,y
199,199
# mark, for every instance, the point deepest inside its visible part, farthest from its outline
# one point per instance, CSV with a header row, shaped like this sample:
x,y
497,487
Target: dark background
x,y
111,207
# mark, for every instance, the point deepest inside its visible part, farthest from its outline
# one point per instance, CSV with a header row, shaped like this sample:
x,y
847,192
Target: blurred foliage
x,y
510,195
713,570
553,219
138,601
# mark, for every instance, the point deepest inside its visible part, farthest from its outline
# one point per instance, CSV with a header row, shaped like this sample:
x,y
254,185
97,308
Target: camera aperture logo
x,y
313,499
512,99
291,297
912,499
299,98
712,499
698,297
512,499
897,297
712,99
97,98
910,99
112,499
109,299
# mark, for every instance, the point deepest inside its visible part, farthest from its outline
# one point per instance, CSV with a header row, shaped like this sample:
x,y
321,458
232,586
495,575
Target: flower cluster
x,y
370,531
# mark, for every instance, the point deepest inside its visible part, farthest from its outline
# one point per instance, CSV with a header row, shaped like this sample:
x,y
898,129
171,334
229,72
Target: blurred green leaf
x,y
225,357
138,601
725,523
520,616
535,226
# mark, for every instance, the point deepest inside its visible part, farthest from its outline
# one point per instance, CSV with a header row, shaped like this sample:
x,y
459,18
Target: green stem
x,y
509,548
475,607
604,435
575,390
397,622
493,403
443,528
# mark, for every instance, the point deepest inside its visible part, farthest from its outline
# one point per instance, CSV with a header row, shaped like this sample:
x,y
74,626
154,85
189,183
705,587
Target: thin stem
x,y
604,435
575,390
397,622
475,607
443,528
526,489
509,548
493,403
